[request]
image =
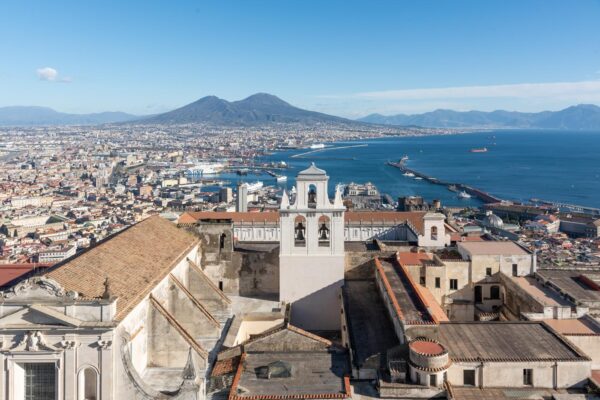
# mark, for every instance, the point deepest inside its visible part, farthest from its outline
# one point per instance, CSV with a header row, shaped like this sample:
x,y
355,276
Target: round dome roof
x,y
493,220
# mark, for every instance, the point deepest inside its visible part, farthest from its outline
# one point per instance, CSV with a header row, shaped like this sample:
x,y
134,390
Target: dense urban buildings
x,y
132,297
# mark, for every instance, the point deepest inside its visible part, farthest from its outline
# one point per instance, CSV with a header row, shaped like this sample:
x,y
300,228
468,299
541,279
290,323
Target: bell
x,y
324,232
300,231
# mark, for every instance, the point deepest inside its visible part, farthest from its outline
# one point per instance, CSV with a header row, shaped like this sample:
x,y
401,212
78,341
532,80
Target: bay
x,y
519,165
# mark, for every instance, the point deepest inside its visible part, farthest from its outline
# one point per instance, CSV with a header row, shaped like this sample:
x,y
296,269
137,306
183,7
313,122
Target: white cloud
x,y
51,74
521,90
47,74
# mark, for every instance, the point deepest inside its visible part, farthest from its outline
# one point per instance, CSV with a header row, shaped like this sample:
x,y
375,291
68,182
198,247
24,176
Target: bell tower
x,y
311,255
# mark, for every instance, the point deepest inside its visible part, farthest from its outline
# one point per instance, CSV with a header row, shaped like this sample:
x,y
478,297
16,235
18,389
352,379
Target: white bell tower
x,y
311,256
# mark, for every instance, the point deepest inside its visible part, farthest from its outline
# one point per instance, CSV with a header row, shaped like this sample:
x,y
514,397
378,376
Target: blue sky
x,y
348,58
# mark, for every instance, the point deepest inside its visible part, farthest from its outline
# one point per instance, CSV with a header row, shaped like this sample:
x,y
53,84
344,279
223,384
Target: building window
x,y
495,293
221,286
433,380
488,271
515,270
434,233
438,283
453,284
423,281
469,377
528,377
40,381
88,385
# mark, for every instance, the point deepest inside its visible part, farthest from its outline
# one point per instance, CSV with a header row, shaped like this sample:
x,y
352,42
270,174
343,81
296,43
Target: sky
x,y
348,58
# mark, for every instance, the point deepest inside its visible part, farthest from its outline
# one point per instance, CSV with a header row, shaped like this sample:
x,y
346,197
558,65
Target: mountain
x,y
580,117
257,109
32,116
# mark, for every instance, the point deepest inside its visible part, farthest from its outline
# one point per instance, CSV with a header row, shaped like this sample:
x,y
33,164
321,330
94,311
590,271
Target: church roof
x,y
135,260
415,218
311,171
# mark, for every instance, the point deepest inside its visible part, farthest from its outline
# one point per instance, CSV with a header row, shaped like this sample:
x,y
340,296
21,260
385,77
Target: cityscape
x,y
356,238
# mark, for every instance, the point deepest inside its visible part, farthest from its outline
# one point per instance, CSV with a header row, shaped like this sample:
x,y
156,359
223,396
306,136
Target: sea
x,y
558,166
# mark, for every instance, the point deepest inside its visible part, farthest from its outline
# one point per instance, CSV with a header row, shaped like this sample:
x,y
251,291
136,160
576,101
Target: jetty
x,y
303,155
452,186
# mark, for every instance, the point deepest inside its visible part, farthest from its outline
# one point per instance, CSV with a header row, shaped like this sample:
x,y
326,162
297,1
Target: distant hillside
x,y
580,117
257,109
32,116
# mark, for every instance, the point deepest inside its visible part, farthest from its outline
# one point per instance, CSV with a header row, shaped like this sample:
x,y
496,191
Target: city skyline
x,y
343,58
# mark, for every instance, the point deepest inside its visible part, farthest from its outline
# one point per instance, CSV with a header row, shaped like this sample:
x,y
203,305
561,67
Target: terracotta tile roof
x,y
193,216
410,258
134,261
10,272
573,326
415,218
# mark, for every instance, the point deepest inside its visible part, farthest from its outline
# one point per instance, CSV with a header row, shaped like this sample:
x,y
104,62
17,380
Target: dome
x,y
492,220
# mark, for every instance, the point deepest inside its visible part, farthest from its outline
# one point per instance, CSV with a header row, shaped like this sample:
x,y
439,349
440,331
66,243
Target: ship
x,y
404,158
409,174
317,146
479,150
281,178
464,195
254,186
203,169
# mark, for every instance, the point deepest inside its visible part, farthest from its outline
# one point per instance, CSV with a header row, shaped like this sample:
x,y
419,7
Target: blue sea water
x,y
550,165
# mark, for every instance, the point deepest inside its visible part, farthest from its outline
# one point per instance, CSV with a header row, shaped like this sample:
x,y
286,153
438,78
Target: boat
x,y
281,178
404,158
479,150
203,169
464,195
409,174
418,178
453,188
317,146
254,186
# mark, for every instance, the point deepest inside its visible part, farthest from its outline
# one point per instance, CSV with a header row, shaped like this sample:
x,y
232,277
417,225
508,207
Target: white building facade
x,y
312,254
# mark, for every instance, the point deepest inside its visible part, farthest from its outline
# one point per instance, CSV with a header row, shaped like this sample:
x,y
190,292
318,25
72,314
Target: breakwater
x,y
480,194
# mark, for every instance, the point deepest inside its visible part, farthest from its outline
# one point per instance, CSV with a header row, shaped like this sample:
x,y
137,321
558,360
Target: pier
x,y
480,194
302,155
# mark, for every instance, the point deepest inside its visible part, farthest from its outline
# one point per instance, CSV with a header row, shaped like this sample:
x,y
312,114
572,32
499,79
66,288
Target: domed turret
x,y
492,220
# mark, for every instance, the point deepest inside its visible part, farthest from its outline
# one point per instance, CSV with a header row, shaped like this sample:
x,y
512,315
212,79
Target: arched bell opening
x,y
300,231
324,231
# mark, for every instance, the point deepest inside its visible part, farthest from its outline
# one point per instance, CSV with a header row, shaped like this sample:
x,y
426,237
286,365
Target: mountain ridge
x,y
578,117
45,116
259,108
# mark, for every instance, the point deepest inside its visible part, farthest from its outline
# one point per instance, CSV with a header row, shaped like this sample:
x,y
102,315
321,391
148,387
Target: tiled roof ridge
x,y
310,335
194,300
148,289
207,279
97,245
180,329
566,341
388,289
347,391
416,288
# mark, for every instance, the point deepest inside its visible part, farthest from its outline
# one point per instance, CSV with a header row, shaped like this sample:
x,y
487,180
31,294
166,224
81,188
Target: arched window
x,y
312,196
495,292
324,231
300,231
87,384
434,233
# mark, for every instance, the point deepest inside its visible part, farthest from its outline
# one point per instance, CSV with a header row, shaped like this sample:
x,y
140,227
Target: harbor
x,y
454,187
